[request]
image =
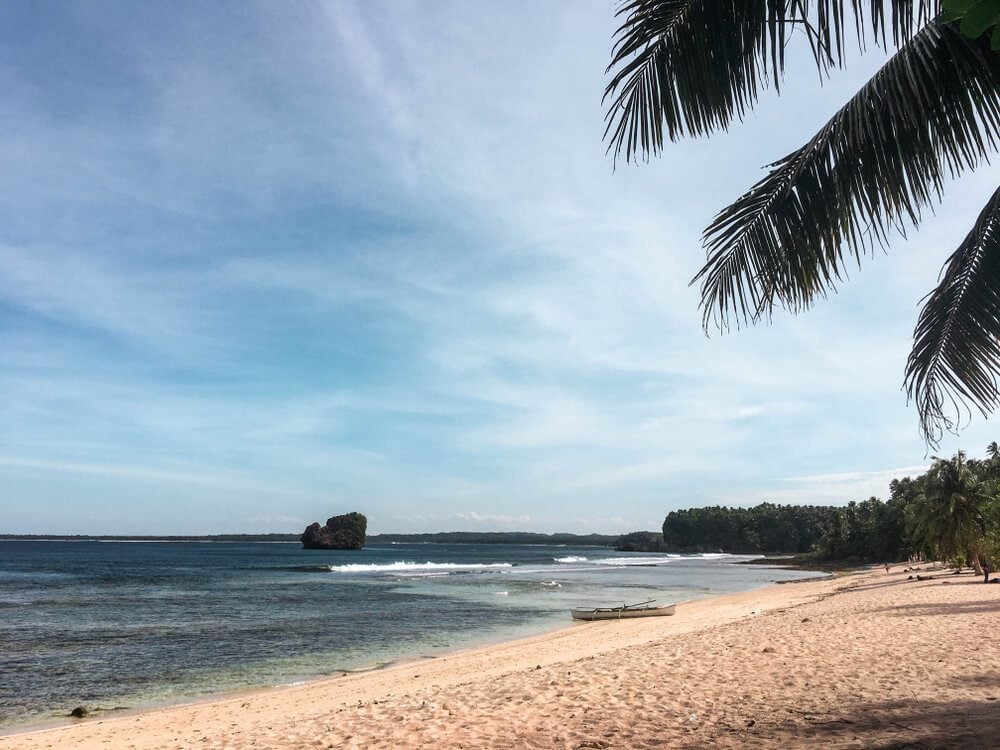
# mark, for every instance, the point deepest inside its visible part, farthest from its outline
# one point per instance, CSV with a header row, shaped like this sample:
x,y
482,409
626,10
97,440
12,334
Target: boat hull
x,y
619,613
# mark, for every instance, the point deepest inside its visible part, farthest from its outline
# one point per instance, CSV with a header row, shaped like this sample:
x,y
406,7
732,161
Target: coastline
x,y
222,696
265,615
814,664
485,647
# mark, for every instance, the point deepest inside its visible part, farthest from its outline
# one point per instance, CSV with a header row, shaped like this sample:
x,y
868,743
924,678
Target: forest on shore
x,y
950,513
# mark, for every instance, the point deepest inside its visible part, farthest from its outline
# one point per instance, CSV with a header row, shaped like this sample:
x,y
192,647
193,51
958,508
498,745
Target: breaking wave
x,y
415,567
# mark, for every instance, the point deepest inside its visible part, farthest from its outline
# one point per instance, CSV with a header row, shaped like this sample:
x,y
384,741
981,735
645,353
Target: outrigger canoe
x,y
643,609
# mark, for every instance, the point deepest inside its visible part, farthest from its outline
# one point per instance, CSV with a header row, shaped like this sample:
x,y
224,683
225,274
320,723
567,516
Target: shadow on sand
x,y
912,724
932,609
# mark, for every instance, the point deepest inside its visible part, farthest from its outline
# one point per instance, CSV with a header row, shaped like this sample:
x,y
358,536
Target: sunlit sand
x,y
870,660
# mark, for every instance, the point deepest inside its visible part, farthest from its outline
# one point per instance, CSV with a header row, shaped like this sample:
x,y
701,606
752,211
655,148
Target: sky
x,y
263,263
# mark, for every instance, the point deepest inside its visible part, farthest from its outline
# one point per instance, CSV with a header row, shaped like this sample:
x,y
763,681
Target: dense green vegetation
x,y
641,541
765,528
950,513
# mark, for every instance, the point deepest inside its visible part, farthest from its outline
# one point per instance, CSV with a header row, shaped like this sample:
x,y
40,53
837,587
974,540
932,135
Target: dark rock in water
x,y
79,712
340,532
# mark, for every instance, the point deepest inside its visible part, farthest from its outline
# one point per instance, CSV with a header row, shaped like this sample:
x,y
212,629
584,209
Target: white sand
x,y
868,661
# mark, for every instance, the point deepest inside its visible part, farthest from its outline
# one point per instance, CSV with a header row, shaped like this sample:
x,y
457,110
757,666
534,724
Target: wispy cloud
x,y
384,264
491,519
853,477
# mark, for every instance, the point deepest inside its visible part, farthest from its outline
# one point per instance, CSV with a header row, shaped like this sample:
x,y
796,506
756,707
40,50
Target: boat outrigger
x,y
642,609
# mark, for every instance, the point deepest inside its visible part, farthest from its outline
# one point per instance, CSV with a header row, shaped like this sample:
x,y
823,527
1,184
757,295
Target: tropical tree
x,y
951,517
692,67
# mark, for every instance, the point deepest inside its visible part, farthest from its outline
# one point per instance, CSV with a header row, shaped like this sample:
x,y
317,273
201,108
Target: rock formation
x,y
341,532
641,541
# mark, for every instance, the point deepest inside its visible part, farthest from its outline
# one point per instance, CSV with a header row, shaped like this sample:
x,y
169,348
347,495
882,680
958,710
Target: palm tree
x,y
951,516
993,451
691,67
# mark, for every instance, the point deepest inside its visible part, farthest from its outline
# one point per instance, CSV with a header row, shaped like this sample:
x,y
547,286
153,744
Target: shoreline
x,y
107,714
484,639
867,659
335,681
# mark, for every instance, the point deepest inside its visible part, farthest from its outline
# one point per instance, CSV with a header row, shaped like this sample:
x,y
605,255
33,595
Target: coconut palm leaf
x,y
691,67
952,515
933,110
956,354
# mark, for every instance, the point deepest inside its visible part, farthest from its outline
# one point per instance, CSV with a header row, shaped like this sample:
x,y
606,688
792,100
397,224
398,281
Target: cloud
x,y
854,477
384,262
837,488
230,481
490,519
275,522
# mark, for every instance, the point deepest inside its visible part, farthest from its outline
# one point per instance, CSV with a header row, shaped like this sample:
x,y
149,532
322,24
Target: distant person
x,y
986,572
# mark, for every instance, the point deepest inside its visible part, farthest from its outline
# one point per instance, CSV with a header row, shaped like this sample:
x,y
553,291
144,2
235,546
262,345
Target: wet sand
x,y
871,660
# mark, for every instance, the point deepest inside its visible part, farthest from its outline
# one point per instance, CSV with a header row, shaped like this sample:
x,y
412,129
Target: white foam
x,y
413,567
626,561
570,559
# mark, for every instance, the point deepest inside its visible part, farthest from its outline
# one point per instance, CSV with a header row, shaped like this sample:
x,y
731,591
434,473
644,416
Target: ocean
x,y
126,625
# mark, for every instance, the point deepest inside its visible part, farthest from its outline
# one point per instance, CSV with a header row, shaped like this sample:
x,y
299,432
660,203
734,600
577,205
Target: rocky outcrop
x,y
641,541
340,532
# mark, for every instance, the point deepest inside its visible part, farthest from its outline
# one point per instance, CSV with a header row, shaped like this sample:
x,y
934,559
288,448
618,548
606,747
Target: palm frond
x,y
691,67
956,353
933,110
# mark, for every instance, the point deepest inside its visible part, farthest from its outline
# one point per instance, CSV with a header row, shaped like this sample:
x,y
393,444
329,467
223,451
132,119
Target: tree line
x,y
950,513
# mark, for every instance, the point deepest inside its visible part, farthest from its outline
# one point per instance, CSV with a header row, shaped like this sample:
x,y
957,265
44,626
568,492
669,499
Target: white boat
x,y
643,609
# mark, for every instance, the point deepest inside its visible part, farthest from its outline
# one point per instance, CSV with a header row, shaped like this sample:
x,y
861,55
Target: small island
x,y
340,532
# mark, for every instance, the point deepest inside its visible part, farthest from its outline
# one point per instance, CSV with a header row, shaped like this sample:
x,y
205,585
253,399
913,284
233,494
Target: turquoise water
x,y
114,625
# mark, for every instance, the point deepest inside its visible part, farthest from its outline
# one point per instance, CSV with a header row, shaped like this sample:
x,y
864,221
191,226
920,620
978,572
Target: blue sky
x,y
264,263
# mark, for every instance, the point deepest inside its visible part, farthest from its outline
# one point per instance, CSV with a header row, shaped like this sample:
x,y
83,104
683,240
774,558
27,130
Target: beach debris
x,y
767,650
79,712
750,722
805,619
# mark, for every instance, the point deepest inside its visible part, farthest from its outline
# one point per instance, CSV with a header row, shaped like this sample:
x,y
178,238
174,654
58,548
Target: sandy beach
x,y
871,660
